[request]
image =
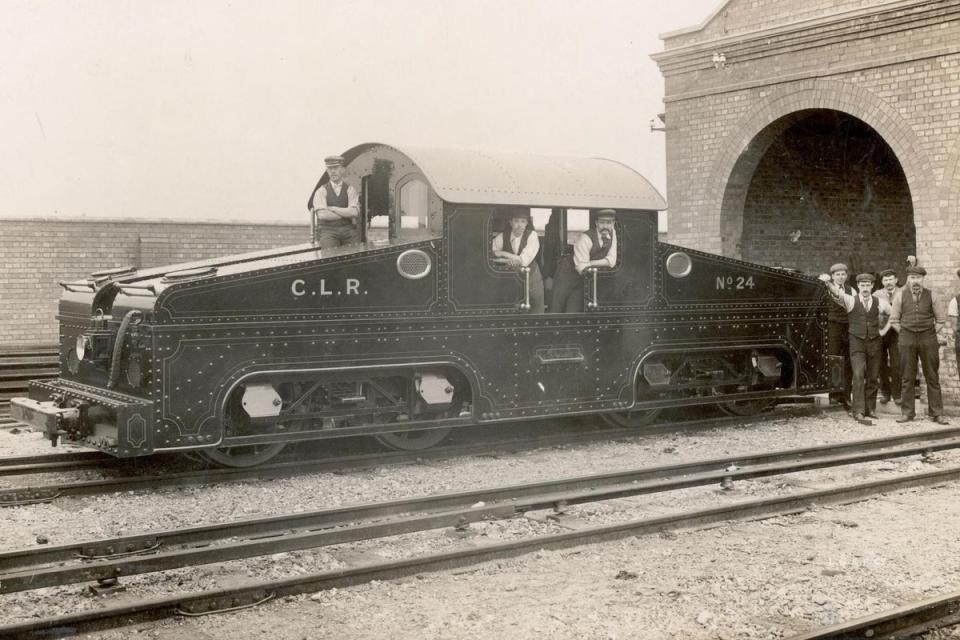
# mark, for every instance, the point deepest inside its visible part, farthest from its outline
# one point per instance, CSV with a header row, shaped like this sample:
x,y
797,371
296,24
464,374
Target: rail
x,y
20,365
418,515
38,465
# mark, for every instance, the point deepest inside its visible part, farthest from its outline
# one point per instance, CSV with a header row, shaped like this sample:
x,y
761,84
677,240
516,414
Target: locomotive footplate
x,y
116,423
46,416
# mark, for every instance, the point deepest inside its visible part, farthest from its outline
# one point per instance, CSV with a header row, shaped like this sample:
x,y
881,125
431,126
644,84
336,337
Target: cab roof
x,y
483,177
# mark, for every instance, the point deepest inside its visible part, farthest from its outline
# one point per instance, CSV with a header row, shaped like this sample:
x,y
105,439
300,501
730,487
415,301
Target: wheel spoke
x,y
631,419
244,456
746,407
413,440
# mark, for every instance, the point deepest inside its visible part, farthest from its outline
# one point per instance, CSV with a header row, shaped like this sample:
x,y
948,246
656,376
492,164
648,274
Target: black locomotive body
x,y
416,330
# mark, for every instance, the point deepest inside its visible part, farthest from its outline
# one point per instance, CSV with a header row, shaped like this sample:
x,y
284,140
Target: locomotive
x,y
416,330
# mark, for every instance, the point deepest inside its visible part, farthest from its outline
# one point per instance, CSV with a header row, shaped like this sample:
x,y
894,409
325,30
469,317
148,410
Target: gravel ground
x,y
764,579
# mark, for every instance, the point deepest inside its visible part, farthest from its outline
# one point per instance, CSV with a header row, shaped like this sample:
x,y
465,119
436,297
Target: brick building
x,y
805,132
38,253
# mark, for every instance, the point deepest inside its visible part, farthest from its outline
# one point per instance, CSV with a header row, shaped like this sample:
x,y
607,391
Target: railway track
x,y
907,621
33,465
106,560
19,365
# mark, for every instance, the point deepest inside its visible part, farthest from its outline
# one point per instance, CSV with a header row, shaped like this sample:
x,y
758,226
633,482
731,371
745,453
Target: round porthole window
x,y
413,264
679,264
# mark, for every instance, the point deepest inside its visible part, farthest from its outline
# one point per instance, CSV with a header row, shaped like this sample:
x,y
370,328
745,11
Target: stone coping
x,y
151,221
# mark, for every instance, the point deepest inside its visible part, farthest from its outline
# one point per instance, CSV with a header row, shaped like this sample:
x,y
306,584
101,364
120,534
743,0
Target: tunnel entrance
x,y
818,187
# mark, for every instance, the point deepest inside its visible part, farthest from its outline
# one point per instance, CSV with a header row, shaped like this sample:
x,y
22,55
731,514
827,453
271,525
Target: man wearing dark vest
x,y
866,333
918,317
595,248
517,247
336,206
890,384
838,333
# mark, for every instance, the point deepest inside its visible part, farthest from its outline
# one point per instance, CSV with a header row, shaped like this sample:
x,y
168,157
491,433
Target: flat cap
x,y
838,267
865,277
916,270
887,272
333,161
607,213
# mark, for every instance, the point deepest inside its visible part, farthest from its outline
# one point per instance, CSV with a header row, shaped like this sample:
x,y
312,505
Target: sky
x,y
224,110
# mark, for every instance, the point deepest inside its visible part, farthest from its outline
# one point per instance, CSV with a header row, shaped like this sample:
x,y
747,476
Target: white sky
x,y
217,109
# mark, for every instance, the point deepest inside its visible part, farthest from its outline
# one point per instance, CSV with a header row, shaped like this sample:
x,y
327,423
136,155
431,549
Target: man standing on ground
x,y
890,384
918,319
864,313
838,334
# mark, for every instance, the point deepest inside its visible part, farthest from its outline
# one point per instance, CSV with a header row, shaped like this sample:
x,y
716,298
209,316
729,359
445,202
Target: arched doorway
x,y
815,187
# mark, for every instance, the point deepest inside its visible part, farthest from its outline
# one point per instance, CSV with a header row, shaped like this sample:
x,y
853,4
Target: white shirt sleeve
x,y
581,252
952,310
353,199
497,243
530,251
320,197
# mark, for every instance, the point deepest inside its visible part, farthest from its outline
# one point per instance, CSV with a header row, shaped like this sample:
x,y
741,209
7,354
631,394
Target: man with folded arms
x,y
917,317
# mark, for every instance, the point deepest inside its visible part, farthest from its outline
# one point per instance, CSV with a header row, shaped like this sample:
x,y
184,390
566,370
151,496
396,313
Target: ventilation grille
x,y
413,264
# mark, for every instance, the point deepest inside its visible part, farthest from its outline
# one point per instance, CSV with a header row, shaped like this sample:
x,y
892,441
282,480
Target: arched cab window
x,y
515,239
413,204
508,226
410,215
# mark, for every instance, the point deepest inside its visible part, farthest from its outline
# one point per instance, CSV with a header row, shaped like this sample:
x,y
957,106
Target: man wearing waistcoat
x,y
866,330
518,247
595,248
890,384
917,318
336,206
838,334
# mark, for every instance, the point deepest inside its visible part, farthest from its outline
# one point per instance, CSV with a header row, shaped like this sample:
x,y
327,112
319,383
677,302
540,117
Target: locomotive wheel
x,y
745,408
631,419
413,440
244,456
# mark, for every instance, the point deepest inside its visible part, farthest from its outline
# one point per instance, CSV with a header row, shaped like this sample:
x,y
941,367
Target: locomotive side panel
x,y
398,279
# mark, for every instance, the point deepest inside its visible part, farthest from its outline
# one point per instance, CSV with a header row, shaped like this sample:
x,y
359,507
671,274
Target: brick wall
x,y
735,16
828,190
38,253
894,66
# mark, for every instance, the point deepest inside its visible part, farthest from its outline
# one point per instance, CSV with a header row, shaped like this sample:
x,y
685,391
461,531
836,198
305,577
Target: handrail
x,y
78,287
525,305
592,302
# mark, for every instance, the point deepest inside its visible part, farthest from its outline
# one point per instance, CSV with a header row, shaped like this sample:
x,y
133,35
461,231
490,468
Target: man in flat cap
x,y
838,335
890,384
918,317
336,206
595,248
517,248
864,313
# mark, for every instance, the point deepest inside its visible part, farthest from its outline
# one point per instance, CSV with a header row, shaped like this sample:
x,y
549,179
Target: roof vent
x,y
188,274
413,264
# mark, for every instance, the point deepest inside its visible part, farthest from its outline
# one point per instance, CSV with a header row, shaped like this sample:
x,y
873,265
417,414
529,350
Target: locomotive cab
x,y
417,329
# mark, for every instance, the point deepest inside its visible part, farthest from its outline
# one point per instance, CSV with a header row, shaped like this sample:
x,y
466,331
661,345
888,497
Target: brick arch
x,y
731,172
950,197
